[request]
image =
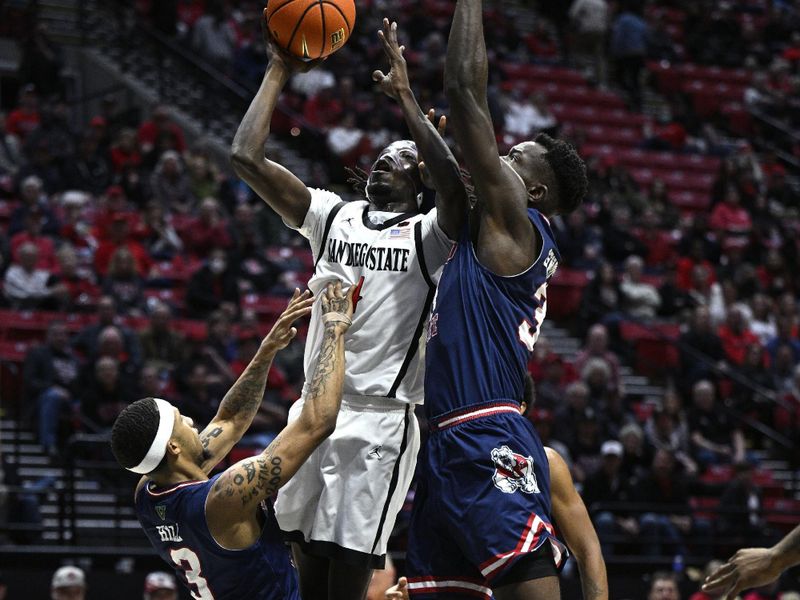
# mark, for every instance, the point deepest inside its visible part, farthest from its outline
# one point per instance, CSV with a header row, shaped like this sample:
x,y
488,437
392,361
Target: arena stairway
x,y
101,516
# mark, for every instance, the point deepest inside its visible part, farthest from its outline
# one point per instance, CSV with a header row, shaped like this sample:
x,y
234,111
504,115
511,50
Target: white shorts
x,y
343,502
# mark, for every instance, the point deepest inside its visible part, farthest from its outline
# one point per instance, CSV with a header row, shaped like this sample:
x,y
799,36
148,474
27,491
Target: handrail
x,y
731,374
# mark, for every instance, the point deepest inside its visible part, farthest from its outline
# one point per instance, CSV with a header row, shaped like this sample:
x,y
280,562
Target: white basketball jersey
x,y
400,258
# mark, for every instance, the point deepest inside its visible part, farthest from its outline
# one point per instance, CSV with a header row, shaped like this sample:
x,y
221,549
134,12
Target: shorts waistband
x,y
479,411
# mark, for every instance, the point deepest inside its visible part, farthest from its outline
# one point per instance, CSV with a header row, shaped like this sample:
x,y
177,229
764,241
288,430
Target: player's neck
x,y
180,474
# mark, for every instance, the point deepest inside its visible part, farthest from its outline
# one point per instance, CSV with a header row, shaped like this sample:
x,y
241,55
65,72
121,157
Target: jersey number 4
x,y
188,562
529,333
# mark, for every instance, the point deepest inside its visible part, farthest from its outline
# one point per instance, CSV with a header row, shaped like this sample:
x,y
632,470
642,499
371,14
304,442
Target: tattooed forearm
x,y
244,398
326,362
255,479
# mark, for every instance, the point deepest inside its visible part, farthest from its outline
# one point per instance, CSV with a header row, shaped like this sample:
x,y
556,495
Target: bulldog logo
x,y
513,472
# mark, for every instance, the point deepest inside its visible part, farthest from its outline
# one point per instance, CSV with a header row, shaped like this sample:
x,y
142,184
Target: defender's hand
x,y
397,80
399,591
337,306
748,568
280,58
282,332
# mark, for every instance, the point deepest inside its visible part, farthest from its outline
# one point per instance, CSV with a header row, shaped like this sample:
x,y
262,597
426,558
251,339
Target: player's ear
x,y
173,448
537,192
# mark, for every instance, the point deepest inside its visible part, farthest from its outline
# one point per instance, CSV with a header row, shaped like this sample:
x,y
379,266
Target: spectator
x,y
346,141
585,449
590,20
659,244
664,586
716,439
33,198
207,231
162,346
213,37
664,492
89,170
710,568
26,117
76,230
762,324
608,486
198,401
124,284
32,234
203,177
150,384
637,457
213,286
114,205
629,39
736,337
741,508
597,347
580,245
170,184
663,432
120,237
323,109
159,585
526,117
125,152
105,393
68,583
552,382
619,243
158,235
701,350
576,403
86,342
10,155
640,300
160,123
602,297
81,290
50,375
730,219
786,336
27,287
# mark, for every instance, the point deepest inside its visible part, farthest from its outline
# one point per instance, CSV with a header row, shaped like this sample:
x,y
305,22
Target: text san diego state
x,y
354,254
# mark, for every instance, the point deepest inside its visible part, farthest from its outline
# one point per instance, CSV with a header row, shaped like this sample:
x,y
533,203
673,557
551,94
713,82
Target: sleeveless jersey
x,y
483,326
399,259
174,520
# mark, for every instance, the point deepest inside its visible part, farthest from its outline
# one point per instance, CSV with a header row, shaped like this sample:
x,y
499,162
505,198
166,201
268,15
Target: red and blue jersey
x,y
483,326
174,520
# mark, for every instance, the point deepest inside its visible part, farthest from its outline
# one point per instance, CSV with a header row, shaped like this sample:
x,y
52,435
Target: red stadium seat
x,y
654,346
564,292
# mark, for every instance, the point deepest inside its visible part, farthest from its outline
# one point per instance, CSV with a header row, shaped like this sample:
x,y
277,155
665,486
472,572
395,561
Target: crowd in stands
x,y
125,222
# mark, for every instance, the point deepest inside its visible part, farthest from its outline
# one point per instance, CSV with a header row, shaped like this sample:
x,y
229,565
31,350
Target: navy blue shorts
x,y
482,502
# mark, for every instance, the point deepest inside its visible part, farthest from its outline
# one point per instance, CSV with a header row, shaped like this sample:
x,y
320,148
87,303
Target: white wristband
x,y
335,317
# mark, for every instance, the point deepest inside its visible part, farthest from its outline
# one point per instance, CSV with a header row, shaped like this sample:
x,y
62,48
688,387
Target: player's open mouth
x,y
382,166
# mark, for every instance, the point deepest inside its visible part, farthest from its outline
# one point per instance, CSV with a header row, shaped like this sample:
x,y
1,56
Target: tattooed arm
x,y
240,404
573,521
232,503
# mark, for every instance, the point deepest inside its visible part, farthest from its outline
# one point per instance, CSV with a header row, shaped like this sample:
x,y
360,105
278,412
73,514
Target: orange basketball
x,y
311,29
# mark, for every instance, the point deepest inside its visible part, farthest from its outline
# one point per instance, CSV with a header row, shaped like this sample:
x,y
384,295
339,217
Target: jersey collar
x,y
393,221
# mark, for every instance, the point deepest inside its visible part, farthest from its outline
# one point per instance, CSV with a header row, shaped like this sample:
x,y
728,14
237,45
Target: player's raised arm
x,y
502,193
573,521
276,185
440,164
241,403
239,490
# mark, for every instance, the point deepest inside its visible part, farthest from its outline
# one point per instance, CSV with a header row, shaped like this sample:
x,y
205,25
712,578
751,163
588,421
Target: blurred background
x,y
134,263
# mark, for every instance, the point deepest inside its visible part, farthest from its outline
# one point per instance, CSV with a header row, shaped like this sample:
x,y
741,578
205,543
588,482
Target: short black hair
x,y
134,431
569,171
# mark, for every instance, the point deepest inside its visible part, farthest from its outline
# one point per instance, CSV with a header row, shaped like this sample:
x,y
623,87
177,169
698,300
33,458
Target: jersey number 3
x,y
529,333
188,562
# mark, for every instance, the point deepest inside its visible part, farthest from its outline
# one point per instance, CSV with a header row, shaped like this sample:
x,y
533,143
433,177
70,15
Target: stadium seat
x,y
564,292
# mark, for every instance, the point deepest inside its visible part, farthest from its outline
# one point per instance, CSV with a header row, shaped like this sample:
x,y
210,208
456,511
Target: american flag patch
x,y
400,234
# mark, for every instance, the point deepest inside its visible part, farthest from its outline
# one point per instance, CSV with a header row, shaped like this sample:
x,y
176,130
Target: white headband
x,y
166,421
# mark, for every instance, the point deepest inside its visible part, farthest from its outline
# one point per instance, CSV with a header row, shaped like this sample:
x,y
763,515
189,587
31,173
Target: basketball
x,y
311,29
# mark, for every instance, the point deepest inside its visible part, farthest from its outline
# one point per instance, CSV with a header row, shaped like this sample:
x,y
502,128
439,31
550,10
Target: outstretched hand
x,y
278,57
396,80
282,332
337,306
748,568
399,591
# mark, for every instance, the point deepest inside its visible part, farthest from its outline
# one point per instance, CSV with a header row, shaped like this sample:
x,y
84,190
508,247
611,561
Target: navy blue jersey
x,y
483,326
174,520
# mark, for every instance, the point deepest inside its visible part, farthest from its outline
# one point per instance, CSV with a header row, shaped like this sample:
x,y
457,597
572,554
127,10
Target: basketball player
x,y
754,567
220,534
575,525
481,519
340,508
